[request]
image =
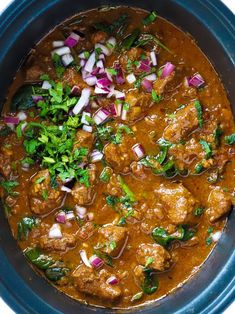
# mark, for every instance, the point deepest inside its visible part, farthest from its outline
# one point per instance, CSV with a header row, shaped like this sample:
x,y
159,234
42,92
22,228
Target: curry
x,y
117,157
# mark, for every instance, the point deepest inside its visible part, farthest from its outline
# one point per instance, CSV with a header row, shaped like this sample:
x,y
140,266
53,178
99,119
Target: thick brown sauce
x,y
188,59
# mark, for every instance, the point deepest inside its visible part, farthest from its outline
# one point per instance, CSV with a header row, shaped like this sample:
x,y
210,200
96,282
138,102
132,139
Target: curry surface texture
x,y
117,157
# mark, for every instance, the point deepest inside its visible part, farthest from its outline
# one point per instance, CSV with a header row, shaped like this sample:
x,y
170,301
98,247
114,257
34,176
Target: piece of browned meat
x,y
154,255
71,77
120,156
113,239
83,139
113,186
219,204
82,194
5,165
178,202
160,84
94,283
139,103
33,73
67,241
42,197
184,123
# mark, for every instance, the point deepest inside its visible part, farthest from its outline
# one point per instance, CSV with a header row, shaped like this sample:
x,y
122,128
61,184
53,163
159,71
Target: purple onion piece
x,y
138,150
167,69
12,120
147,85
196,80
37,98
96,261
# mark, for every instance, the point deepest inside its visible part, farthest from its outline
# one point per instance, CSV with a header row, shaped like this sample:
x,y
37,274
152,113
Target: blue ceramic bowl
x,y
211,290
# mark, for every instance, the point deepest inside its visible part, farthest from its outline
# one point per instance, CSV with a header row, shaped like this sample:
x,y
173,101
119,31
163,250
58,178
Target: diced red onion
x,y
37,98
87,128
147,85
70,215
119,95
11,120
72,40
75,90
65,189
196,80
101,56
90,63
55,232
151,77
46,85
112,280
100,64
83,101
22,116
120,79
85,74
67,59
84,258
153,58
101,115
216,236
90,216
131,78
113,110
61,217
57,43
167,69
82,62
103,90
104,49
96,261
138,150
103,82
144,65
91,80
96,156
61,51
80,210
84,115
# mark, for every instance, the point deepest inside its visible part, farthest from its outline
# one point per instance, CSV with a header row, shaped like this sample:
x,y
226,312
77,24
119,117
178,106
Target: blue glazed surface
x,y
213,25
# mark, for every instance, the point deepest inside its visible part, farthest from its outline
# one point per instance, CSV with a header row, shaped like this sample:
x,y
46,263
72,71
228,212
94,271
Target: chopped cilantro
x,y
156,98
8,187
230,139
207,148
150,18
198,211
149,261
199,113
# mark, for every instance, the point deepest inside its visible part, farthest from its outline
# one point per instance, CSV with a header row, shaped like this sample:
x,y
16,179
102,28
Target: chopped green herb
x,y
199,113
149,261
56,273
59,68
130,39
198,211
145,39
24,226
45,194
137,296
106,174
156,98
207,148
40,260
217,134
112,245
150,284
126,189
111,71
199,168
8,186
106,257
230,139
150,18
122,220
112,200
40,180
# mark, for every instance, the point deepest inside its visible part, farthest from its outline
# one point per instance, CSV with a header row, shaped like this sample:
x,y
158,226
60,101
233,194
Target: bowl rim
x,y
224,32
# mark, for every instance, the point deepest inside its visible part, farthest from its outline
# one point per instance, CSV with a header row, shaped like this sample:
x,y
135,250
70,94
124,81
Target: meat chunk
x,y
94,283
138,103
42,197
99,37
178,202
113,187
5,165
71,77
158,258
132,54
86,231
160,84
120,156
219,204
82,194
83,139
186,156
67,241
184,123
138,170
115,238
